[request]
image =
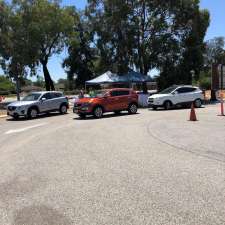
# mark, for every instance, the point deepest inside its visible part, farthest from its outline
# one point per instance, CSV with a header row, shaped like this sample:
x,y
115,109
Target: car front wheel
x,y
32,113
167,105
98,112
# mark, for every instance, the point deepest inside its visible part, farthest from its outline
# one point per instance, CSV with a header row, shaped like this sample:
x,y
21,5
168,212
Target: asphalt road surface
x,y
153,168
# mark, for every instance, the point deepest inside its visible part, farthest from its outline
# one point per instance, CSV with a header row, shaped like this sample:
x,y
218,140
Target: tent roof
x,y
110,77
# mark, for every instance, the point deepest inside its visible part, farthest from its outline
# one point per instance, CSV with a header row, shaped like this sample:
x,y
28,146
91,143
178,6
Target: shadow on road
x,y
173,109
106,116
41,116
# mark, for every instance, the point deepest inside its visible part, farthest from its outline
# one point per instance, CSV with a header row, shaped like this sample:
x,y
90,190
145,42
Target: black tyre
x,y
132,109
32,113
198,103
63,109
82,116
117,112
98,112
15,117
167,105
154,107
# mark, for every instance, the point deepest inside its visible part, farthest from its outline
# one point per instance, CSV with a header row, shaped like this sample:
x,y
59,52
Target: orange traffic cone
x,y
192,113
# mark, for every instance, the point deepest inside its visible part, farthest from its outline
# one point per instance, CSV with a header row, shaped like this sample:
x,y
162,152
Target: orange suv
x,y
114,100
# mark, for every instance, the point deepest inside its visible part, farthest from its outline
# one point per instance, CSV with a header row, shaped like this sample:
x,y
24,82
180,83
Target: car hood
x,y
159,95
21,103
85,100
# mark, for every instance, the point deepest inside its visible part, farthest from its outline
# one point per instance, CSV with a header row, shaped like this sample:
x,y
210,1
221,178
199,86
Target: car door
x,y
56,100
46,103
180,95
185,94
191,94
123,99
112,101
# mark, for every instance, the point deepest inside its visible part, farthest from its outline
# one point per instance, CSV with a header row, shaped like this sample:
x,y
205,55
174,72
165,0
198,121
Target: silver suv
x,y
38,102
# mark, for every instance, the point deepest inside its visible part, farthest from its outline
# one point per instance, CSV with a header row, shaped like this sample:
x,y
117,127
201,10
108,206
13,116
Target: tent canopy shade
x,y
130,77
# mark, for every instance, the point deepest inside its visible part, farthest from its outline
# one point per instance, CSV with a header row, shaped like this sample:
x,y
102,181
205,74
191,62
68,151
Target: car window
x,y
185,90
120,93
32,97
47,96
114,93
56,95
124,92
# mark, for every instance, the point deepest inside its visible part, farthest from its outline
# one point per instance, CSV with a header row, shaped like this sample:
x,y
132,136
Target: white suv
x,y
177,96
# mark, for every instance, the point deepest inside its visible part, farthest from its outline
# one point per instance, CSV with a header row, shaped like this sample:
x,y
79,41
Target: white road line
x,y
24,129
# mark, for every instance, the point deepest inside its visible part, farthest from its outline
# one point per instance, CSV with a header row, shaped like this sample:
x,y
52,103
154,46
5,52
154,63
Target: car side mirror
x,y
175,93
43,99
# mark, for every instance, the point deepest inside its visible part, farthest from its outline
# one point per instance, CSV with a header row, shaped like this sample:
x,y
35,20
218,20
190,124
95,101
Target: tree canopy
x,y
109,35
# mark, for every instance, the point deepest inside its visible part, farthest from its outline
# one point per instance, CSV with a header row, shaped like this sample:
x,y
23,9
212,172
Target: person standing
x,y
81,93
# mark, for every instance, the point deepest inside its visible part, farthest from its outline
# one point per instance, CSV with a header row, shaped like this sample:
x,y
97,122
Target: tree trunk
x,y
49,85
17,88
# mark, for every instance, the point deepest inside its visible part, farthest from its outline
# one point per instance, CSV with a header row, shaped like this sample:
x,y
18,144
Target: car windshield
x,y
32,97
168,90
97,94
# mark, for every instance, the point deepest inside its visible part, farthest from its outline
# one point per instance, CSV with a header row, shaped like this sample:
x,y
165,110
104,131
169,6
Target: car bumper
x,y
16,113
79,111
151,105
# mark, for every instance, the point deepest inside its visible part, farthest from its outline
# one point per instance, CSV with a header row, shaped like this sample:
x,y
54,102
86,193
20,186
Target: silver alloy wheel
x,y
98,112
198,103
63,109
133,108
33,113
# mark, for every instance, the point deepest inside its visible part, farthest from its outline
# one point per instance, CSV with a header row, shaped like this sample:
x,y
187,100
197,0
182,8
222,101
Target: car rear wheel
x,y
63,109
98,112
32,113
167,105
198,103
132,108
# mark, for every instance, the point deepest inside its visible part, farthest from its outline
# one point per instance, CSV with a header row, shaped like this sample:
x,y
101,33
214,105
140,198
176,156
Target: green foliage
x,y
79,64
6,86
110,35
205,80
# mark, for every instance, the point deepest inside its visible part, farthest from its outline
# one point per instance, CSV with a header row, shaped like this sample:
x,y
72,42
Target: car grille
x,y
150,100
77,105
11,108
